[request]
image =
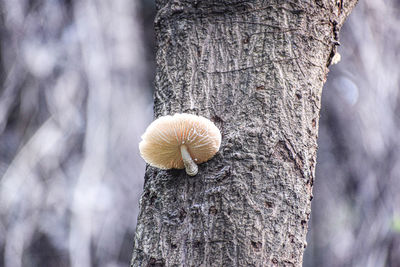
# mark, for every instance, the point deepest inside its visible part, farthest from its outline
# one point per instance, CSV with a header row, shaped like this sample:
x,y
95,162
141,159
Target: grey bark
x,y
257,70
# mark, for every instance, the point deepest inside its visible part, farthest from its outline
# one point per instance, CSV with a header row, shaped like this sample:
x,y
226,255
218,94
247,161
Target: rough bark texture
x,y
257,70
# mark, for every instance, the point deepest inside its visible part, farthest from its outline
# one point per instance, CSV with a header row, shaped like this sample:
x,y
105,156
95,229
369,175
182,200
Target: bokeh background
x,y
76,82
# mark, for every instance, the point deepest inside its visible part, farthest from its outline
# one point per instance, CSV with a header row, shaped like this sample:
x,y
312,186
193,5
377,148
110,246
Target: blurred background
x,y
76,88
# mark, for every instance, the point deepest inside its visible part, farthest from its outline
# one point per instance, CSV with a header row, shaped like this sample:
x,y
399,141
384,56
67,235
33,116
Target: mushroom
x,y
180,141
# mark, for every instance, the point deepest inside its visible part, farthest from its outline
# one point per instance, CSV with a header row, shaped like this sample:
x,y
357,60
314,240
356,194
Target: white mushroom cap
x,y
168,137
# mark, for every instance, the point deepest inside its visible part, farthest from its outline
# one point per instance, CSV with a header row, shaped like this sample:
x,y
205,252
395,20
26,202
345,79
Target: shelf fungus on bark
x,y
180,141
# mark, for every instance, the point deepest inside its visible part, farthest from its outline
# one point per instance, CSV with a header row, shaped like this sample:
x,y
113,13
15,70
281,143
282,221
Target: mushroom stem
x,y
190,165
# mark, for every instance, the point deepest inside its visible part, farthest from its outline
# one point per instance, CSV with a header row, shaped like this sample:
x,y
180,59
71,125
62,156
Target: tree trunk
x,y
256,69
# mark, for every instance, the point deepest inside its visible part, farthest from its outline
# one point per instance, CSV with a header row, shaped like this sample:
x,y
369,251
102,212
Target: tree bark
x,y
256,69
